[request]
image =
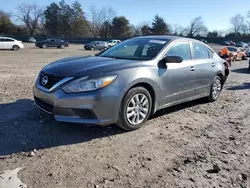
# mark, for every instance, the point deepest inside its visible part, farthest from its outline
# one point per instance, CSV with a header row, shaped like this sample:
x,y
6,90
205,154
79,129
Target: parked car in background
x,y
129,82
32,39
232,43
10,44
238,53
203,40
249,65
96,45
59,43
113,42
242,45
248,53
226,43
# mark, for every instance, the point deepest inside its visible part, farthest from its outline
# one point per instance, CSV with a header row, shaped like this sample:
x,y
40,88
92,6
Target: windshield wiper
x,y
113,57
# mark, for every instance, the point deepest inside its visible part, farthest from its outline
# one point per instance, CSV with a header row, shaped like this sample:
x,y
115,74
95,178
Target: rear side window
x,y
180,49
1,40
9,40
200,51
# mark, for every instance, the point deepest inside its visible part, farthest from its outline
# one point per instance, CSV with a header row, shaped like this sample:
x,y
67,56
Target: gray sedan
x,y
128,83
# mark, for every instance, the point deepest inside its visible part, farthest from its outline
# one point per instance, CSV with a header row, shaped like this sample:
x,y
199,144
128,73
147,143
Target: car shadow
x,y
240,87
242,70
24,128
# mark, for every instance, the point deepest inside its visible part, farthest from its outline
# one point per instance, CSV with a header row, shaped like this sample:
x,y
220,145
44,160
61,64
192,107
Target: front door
x,y
52,43
8,44
178,79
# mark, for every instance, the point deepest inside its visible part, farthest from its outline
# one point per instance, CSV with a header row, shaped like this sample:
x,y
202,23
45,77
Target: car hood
x,y
81,66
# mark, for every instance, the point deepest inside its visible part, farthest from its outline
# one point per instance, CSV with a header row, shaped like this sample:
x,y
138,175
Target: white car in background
x,y
10,43
113,42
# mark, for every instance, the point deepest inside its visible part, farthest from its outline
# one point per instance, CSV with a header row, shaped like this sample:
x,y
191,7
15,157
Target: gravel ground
x,y
193,145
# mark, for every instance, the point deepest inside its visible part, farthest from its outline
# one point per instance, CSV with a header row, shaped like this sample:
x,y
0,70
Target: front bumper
x,y
100,107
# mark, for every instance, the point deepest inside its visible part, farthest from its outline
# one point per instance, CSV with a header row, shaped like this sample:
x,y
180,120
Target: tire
x,y
92,48
215,89
44,46
15,47
62,46
234,58
135,109
244,58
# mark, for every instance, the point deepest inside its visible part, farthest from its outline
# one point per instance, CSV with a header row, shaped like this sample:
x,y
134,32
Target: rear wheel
x,y
44,45
62,46
135,109
92,48
15,48
215,90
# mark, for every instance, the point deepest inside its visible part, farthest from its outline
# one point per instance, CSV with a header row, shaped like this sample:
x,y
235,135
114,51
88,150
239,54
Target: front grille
x,y
52,80
85,113
43,105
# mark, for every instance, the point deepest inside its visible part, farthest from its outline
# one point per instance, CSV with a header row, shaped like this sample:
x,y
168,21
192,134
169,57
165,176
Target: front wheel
x,y
135,109
44,45
62,46
215,90
15,48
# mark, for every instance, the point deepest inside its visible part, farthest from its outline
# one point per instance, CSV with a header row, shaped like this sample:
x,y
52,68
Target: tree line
x,y
70,20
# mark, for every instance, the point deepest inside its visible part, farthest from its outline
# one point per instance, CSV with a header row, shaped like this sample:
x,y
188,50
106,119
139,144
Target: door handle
x,y
213,64
192,68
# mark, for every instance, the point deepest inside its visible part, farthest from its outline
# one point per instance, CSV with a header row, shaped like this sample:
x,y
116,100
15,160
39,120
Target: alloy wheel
x,y
137,109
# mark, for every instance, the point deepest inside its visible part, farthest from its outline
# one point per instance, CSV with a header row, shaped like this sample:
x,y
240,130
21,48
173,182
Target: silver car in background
x,y
96,45
129,82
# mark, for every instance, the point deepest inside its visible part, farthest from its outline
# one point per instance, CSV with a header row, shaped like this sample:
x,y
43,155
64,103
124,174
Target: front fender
x,y
144,81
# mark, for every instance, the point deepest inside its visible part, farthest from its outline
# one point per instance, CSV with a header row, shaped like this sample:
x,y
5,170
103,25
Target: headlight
x,y
84,84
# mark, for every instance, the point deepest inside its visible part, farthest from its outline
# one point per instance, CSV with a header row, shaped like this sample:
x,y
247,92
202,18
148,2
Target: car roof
x,y
7,38
166,37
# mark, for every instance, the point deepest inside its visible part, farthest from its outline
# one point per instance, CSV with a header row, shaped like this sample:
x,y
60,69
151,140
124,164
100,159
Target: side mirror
x,y
172,59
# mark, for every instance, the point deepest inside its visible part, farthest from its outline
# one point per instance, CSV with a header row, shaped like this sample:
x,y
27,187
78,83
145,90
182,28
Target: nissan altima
x,y
129,82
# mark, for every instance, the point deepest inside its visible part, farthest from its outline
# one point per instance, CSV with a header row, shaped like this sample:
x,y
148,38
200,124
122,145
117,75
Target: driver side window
x,y
180,49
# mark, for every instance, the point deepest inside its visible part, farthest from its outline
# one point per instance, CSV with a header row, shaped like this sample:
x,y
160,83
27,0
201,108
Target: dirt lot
x,y
197,144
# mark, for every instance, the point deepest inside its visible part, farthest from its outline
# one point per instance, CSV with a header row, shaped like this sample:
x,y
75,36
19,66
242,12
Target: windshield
x,y
136,49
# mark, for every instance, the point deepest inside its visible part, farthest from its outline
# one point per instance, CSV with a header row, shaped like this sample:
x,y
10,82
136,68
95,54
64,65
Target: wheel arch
x,y
147,84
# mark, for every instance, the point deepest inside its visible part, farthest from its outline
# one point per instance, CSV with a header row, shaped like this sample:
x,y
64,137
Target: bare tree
x,y
179,30
98,17
196,27
108,14
237,23
248,21
30,14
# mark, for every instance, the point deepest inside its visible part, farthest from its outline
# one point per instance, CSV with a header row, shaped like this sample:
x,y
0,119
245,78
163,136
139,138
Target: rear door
x,y
205,66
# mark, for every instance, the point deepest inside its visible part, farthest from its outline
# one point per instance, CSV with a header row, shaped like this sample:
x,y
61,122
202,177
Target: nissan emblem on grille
x,y
45,80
